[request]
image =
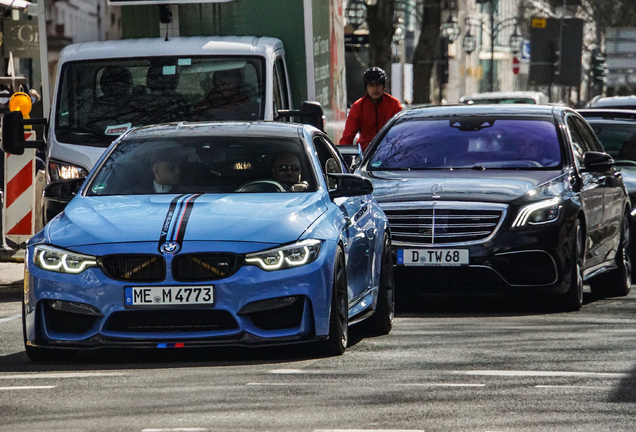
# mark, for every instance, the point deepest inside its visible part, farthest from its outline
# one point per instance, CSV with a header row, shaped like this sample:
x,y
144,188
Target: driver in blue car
x,y
287,171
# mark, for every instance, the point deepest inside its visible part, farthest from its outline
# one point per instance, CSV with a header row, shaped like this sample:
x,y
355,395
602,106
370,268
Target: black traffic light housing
x,y
597,67
13,141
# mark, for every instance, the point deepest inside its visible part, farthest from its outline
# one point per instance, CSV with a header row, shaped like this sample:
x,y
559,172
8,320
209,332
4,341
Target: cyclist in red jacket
x,y
369,113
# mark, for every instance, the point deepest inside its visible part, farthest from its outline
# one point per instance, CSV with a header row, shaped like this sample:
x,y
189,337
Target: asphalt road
x,y
451,364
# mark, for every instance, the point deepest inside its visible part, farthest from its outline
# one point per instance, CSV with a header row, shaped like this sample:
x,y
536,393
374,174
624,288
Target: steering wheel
x,y
261,186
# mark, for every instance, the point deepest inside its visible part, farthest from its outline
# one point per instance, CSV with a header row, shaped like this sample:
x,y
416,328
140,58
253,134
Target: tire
x,y
37,354
616,282
572,300
381,322
338,339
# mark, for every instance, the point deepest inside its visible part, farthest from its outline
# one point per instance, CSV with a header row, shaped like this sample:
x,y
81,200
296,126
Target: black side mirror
x,y
349,185
310,112
58,194
597,161
13,141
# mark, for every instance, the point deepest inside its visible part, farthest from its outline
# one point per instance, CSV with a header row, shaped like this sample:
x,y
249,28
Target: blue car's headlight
x,y
62,261
293,255
538,213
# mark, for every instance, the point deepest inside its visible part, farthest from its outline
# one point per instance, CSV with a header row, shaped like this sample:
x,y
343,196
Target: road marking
x,y
14,317
288,371
177,430
368,430
27,388
542,374
575,387
63,375
442,385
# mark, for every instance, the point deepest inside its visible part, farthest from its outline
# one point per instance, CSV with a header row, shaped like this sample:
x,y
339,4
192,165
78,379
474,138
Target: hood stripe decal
x,y
176,221
184,216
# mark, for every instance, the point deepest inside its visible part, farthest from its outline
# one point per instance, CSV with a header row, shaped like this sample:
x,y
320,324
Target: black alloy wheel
x,y
617,282
338,339
381,322
572,300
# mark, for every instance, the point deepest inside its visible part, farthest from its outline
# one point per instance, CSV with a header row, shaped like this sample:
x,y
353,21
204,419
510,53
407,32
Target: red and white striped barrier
x,y
18,214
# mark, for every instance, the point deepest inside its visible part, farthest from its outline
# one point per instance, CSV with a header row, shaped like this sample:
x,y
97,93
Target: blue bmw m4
x,y
207,234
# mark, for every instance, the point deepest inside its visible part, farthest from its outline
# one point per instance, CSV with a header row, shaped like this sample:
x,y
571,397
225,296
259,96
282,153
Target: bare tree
x,y
380,23
426,51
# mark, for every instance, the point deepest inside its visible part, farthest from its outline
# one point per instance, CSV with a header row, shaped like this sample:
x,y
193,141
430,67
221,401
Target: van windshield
x,y
99,100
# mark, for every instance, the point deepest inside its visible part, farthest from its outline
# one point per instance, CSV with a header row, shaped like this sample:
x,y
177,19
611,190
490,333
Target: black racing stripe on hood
x,y
184,217
168,220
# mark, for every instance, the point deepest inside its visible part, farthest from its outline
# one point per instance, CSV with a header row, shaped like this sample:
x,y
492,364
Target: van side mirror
x,y
310,112
58,194
13,141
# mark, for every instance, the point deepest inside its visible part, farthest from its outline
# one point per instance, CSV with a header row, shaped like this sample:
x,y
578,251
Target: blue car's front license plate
x,y
432,257
164,296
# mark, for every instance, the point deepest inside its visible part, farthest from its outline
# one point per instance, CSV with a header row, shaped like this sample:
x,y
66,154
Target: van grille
x,y
442,224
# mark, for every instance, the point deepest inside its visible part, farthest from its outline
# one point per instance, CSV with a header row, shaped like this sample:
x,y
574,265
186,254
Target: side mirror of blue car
x,y
349,185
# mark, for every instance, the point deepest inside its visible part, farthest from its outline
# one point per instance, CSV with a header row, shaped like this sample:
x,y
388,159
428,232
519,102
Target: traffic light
x,y
597,67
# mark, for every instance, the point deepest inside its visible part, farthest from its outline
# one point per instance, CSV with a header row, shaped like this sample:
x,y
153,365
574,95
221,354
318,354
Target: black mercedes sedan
x,y
501,198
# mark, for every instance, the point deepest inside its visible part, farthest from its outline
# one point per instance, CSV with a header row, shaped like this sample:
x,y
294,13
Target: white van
x,y
518,97
105,88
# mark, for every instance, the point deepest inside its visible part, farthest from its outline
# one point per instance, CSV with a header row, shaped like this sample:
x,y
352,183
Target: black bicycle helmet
x,y
374,75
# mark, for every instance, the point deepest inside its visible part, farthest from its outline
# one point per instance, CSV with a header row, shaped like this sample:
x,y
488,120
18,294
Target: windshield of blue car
x,y
98,100
618,138
468,143
204,165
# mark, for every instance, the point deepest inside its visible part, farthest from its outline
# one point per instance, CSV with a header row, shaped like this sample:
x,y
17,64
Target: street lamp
x,y
356,13
469,43
516,42
450,29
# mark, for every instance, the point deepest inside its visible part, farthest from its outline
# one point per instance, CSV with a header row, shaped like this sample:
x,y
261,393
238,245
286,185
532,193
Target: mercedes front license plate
x,y
169,295
432,257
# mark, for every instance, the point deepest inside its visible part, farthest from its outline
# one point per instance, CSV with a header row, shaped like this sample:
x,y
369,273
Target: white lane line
x,y
177,430
541,374
575,387
442,385
14,317
63,375
368,430
27,388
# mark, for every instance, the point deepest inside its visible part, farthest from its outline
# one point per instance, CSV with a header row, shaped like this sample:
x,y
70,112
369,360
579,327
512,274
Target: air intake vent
x,y
135,267
170,321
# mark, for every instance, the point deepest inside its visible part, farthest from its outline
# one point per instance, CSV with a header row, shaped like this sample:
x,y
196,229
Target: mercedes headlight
x,y
62,261
538,213
289,256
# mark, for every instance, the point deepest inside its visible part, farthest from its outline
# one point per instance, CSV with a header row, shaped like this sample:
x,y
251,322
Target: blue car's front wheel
x,y
336,344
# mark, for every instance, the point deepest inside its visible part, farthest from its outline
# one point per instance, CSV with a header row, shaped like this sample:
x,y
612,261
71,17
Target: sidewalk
x,y
11,274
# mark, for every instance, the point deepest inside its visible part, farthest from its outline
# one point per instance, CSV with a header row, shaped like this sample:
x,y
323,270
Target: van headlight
x,y
62,261
294,255
538,213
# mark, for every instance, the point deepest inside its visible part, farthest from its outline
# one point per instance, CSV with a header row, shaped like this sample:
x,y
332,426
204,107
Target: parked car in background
x,y
521,198
514,97
615,102
205,234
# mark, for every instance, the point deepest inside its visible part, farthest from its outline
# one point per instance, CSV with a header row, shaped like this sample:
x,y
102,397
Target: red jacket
x,y
368,118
